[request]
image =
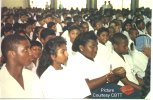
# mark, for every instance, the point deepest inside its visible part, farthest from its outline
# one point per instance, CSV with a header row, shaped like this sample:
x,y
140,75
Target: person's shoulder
x,y
29,73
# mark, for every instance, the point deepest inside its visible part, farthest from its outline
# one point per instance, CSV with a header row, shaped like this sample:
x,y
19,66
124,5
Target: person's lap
x,y
112,91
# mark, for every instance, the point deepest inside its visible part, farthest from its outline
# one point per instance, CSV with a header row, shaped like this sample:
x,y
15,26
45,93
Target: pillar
x,y
134,5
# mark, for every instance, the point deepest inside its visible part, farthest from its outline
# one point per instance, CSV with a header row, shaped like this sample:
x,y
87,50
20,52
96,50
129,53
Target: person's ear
x,y
115,46
98,37
52,57
11,53
81,48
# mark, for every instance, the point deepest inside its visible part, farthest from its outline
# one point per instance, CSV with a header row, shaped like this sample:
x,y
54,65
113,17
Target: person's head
x,y
140,24
86,44
98,24
16,50
143,44
52,25
32,22
104,2
7,30
27,28
77,19
54,53
48,18
47,34
84,26
58,19
133,33
41,20
120,43
103,35
36,49
23,17
148,28
74,31
115,24
9,19
127,25
36,32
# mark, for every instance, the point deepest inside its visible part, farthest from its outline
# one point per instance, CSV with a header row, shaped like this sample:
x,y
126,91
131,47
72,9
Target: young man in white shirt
x,y
17,82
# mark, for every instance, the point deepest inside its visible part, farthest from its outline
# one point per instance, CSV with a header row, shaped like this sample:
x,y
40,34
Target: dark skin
x,y
122,48
60,57
17,59
89,50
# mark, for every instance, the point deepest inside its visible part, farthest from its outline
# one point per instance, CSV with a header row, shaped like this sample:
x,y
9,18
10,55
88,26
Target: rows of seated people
x,y
77,54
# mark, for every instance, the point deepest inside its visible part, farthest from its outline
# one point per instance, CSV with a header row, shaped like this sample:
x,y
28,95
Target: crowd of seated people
x,y
87,53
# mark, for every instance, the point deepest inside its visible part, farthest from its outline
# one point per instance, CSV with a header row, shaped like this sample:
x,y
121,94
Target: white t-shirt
x,y
63,84
85,68
117,61
10,88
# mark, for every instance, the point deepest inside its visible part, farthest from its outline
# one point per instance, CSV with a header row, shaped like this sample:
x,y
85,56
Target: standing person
x,y
17,82
104,6
109,6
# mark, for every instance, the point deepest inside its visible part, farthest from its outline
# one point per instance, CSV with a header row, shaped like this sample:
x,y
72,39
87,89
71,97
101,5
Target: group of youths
x,y
75,54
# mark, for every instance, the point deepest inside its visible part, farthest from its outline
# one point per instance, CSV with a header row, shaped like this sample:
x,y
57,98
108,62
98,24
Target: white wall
x,y
145,3
14,3
117,4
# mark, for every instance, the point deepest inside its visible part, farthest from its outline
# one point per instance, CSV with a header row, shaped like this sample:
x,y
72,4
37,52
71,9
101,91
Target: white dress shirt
x,y
10,88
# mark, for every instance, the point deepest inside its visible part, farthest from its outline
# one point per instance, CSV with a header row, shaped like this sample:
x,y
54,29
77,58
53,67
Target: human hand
x,y
120,71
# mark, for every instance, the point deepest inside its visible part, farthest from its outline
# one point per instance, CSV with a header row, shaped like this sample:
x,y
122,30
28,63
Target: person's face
x,y
36,52
99,25
10,21
8,33
121,47
73,34
133,34
49,19
117,28
149,30
28,29
142,26
89,49
103,38
128,27
42,22
61,56
85,27
54,28
23,53
23,18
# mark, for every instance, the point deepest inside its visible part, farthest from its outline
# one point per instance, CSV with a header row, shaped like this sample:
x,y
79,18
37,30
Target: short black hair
x,y
73,27
35,43
117,37
8,27
50,24
103,29
10,42
82,39
46,32
148,24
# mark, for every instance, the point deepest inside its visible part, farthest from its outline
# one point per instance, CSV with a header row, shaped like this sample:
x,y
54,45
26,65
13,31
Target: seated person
x,y
54,75
120,45
17,82
36,50
85,46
